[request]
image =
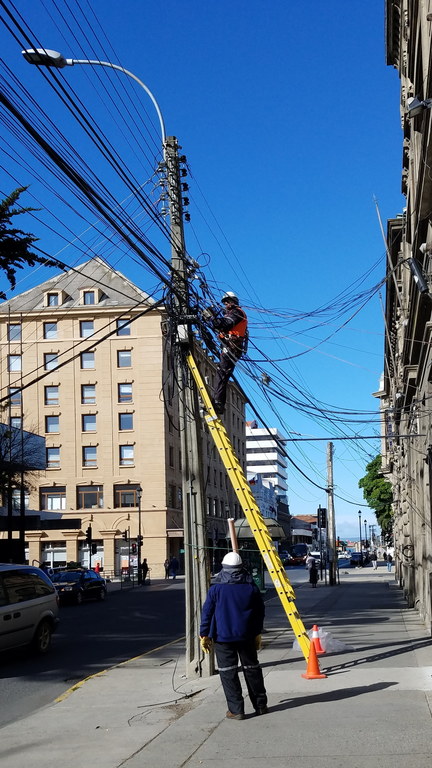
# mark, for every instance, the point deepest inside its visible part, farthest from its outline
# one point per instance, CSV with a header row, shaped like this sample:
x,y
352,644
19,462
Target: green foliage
x,y
378,493
15,244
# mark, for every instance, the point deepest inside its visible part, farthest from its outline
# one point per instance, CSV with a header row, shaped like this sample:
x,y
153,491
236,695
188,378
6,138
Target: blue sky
x,y
289,118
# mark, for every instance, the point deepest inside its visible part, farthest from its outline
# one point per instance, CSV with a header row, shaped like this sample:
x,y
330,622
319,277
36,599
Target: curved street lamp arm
x,y
134,77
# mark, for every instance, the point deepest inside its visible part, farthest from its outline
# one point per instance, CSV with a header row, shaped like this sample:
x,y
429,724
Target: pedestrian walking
x,y
233,332
167,568
144,570
310,560
389,562
374,559
174,566
313,575
232,619
385,556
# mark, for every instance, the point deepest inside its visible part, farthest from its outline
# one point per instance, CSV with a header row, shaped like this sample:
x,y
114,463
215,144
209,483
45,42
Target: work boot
x,y
261,711
231,716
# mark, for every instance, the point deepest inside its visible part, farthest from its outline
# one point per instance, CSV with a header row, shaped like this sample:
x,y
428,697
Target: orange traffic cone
x,y
313,671
316,641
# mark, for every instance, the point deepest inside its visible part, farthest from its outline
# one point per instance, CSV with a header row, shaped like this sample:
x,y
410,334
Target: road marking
x,y
78,685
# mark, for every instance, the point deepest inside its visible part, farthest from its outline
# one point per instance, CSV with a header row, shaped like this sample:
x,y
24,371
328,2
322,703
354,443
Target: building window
x,y
86,328
90,496
52,299
88,394
171,496
14,331
53,458
52,423
51,395
126,455
15,396
50,331
89,422
125,495
87,360
14,363
16,422
123,327
125,393
53,498
89,456
89,297
124,358
171,456
16,499
125,421
50,361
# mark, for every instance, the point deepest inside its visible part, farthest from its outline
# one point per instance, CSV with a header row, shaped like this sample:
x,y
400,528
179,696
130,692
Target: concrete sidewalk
x,y
374,706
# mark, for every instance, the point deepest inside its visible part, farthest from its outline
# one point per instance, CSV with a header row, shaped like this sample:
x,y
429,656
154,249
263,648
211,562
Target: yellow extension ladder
x,y
251,511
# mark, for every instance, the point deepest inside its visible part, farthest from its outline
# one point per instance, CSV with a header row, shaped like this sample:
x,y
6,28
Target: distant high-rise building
x,y
264,457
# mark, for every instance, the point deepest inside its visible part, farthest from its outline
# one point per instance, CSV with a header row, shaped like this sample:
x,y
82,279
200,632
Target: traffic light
x,y
89,534
322,517
125,535
134,548
140,540
93,549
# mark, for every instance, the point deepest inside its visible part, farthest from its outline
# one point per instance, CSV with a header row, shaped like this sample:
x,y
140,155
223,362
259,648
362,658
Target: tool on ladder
x,y
251,511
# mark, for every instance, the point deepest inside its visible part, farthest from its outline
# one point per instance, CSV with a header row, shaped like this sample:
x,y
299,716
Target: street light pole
x,y
194,526
366,538
139,539
360,539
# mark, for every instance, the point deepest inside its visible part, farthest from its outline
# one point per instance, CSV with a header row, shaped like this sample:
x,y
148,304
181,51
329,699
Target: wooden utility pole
x,y
331,527
194,522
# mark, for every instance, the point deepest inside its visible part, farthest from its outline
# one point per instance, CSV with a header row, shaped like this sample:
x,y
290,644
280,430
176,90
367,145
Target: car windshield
x,y
68,576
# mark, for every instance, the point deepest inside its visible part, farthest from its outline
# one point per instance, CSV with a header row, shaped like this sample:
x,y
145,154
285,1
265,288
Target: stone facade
x,y
109,416
406,388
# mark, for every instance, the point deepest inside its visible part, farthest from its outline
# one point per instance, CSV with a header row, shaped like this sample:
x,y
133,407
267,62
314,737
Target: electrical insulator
x,y
185,201
182,159
183,172
185,187
187,216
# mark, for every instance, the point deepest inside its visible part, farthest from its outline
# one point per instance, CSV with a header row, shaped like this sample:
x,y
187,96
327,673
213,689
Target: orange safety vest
x,y
239,331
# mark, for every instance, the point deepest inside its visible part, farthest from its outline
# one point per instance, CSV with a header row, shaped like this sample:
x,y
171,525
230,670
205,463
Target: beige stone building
x,y
90,344
406,388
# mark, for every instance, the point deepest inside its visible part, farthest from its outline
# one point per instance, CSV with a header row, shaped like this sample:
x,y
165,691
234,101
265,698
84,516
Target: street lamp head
x,y
416,106
43,57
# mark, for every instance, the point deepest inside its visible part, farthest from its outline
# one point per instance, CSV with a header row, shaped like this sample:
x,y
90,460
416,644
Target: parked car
x,y
285,557
28,608
356,558
78,585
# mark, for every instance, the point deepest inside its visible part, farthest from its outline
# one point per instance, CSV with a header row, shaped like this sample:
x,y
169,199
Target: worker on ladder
x,y
233,332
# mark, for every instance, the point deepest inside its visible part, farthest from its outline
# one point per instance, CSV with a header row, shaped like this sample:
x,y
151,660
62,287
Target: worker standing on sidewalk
x,y
232,618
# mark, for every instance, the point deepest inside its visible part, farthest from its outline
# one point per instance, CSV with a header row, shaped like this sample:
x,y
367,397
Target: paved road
x,y
91,637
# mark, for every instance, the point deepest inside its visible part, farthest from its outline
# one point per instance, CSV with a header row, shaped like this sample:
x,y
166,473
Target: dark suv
x,y
28,607
78,585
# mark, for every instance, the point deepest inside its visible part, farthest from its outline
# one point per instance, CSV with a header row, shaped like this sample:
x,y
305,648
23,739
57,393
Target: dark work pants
x,y
227,655
224,370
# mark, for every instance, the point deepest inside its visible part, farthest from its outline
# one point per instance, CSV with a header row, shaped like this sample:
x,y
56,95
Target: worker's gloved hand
x,y
258,643
206,644
208,313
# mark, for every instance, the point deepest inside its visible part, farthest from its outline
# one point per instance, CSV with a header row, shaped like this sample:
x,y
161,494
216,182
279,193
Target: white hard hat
x,y
230,296
232,558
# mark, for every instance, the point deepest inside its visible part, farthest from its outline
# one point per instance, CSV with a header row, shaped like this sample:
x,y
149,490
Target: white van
x,y
28,607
